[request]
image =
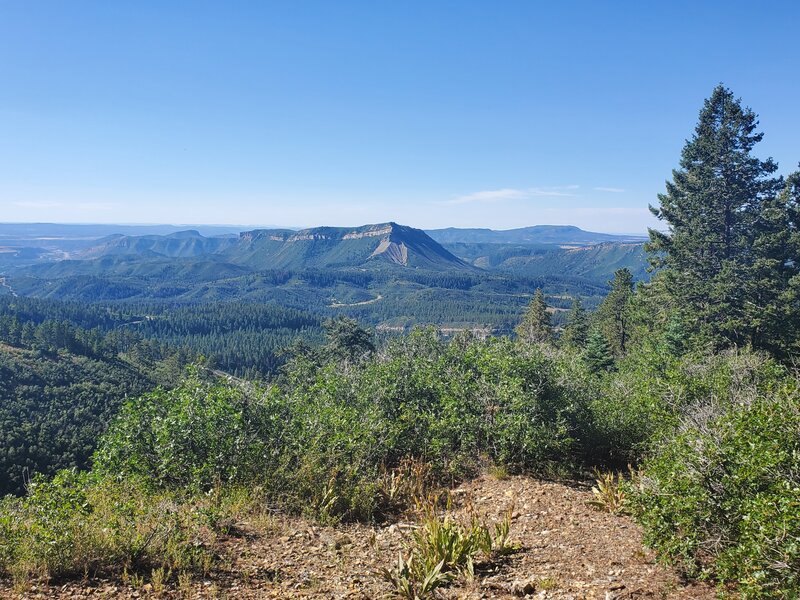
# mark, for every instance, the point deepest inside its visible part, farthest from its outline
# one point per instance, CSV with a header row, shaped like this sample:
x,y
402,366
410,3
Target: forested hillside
x,y
60,387
240,338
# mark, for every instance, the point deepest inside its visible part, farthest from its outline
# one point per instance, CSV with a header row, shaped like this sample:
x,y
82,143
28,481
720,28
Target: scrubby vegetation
x,y
679,382
720,497
337,437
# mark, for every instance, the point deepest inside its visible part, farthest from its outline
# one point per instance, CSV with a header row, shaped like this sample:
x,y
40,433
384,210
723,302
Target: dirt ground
x,y
568,550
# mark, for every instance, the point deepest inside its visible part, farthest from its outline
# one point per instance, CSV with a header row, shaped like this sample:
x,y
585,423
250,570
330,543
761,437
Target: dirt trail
x,y
568,551
335,304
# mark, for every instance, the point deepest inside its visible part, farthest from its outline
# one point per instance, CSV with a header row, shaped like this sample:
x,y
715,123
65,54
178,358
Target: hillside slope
x,y
53,408
180,244
595,262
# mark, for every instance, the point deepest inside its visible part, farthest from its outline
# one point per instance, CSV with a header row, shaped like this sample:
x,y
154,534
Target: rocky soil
x,y
568,550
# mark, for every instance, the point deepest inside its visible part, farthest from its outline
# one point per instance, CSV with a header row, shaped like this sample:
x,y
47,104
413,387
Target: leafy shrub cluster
x,y
321,440
337,438
721,496
650,392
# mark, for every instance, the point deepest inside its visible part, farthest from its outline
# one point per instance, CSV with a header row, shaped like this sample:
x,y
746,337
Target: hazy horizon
x,y
251,226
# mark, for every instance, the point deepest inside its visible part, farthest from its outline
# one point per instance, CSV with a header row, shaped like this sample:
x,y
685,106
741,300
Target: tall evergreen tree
x,y
535,325
614,315
712,207
576,330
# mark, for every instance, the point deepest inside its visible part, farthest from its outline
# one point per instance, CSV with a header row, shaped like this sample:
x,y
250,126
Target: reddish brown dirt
x,y
568,551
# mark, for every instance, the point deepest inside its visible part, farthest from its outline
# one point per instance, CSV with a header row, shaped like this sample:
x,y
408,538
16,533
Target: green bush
x,y
633,408
454,405
78,523
318,442
721,497
193,436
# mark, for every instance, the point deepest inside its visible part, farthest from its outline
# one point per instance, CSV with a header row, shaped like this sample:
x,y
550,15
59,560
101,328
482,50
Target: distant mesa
x,y
319,247
322,247
194,255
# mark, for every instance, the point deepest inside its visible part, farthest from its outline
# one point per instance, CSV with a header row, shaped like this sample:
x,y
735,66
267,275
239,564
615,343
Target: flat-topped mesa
x,y
324,247
322,233
312,248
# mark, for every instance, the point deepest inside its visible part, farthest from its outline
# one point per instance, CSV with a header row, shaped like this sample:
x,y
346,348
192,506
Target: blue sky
x,y
473,114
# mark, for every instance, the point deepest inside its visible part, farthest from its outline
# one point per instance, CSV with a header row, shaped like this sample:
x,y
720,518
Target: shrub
x,y
78,523
193,436
317,443
721,497
633,409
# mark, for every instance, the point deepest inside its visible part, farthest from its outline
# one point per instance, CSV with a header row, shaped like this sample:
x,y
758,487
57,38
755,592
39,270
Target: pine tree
x,y
576,330
712,208
772,283
535,325
347,340
614,316
597,355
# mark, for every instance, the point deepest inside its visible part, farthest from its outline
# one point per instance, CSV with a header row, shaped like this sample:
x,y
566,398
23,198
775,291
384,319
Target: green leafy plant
x,y
608,493
502,529
444,547
720,498
444,539
413,581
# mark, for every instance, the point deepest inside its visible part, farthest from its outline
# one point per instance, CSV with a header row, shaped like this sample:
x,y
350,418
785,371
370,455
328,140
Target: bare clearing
x,y
567,551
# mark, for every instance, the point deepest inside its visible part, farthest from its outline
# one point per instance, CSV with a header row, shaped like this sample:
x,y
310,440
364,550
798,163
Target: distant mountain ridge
x,y
563,235
319,247
384,273
181,244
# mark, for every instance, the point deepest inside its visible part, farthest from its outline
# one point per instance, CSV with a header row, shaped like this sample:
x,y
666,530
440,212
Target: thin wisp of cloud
x,y
506,194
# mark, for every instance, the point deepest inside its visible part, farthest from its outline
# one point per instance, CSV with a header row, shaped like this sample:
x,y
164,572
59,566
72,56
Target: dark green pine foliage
x,y
772,281
535,325
597,355
576,330
714,207
674,338
614,315
347,340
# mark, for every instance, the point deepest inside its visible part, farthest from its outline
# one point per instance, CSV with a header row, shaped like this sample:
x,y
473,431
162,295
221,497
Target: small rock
x,y
523,588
